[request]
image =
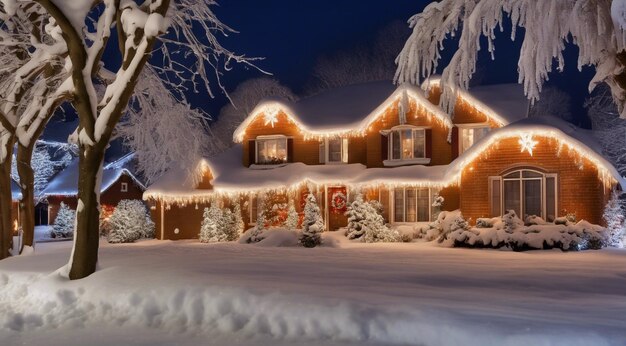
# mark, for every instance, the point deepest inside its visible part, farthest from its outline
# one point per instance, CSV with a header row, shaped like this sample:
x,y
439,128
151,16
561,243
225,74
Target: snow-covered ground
x,y
186,293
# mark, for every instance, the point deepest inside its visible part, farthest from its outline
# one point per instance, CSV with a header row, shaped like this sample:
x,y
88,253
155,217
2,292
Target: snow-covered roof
x,y
230,176
66,182
16,192
341,111
504,103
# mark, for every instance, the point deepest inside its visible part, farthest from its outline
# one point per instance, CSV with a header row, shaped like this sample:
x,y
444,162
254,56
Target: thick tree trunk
x,y
87,233
27,185
6,201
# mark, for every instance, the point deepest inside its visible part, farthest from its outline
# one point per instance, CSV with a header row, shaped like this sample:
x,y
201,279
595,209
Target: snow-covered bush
x,y
212,227
510,232
614,217
437,204
64,223
313,224
129,222
447,221
105,216
365,222
293,219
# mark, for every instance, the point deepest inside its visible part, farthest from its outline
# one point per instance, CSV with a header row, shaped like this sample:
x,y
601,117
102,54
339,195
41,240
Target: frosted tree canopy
x,y
595,26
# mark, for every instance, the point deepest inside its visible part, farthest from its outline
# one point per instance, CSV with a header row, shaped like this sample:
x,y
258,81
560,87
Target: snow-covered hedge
x,y
509,231
64,223
129,222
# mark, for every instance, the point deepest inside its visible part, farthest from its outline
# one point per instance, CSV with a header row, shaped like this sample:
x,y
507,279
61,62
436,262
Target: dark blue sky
x,y
291,35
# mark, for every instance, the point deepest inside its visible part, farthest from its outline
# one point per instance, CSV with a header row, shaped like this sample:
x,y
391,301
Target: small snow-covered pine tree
x,y
313,224
211,230
257,233
130,221
64,223
356,218
614,217
230,226
292,217
239,224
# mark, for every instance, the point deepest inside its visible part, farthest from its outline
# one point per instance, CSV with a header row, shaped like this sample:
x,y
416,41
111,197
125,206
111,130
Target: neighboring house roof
x,y
229,175
505,103
342,111
16,192
66,182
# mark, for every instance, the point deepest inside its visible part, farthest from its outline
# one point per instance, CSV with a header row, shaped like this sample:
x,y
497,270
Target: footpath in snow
x,y
186,293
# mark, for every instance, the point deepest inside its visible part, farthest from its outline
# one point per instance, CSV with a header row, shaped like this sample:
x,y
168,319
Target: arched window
x,y
527,191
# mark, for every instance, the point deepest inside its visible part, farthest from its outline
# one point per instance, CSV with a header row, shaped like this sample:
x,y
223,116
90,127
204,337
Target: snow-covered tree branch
x,y
595,26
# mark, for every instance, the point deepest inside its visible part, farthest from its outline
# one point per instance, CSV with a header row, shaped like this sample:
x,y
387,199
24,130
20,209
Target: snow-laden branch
x,y
595,26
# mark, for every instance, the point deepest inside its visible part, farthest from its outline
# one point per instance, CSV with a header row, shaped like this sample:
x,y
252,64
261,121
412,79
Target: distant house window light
x,y
124,187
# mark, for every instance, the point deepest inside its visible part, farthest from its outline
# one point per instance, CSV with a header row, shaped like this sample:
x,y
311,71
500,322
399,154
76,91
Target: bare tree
x,y
608,128
243,100
553,102
163,131
363,62
140,27
31,75
595,26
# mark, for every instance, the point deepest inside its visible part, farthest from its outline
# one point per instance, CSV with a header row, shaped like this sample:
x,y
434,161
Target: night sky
x,y
292,35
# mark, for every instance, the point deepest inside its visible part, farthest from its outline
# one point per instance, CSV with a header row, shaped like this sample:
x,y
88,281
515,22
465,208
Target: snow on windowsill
x,y
262,167
396,163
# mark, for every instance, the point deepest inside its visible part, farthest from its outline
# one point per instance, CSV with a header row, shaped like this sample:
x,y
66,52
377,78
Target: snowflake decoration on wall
x,y
271,116
527,143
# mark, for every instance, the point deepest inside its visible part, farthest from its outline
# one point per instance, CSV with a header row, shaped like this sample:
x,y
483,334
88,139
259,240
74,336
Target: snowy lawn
x,y
185,293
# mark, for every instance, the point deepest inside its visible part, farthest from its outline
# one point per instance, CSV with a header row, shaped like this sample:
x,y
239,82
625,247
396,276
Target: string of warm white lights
x,y
487,146
270,110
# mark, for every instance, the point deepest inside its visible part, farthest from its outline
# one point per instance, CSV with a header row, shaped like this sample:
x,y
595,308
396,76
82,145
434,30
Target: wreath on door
x,y
338,202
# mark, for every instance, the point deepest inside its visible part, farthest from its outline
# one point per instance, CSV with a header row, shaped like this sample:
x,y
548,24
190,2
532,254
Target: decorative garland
x,y
338,202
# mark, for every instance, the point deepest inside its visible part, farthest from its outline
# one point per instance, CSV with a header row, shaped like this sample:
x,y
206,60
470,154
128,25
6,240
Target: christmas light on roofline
x,y
606,173
270,109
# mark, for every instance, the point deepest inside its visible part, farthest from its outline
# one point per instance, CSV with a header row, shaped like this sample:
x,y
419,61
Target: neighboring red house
x,y
118,183
395,145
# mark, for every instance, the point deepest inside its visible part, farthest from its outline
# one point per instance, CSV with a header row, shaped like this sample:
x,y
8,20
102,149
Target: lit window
x,y
124,187
334,150
469,136
271,150
407,144
411,204
527,192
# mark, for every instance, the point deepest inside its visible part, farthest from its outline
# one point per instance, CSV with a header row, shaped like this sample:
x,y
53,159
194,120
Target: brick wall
x,y
579,190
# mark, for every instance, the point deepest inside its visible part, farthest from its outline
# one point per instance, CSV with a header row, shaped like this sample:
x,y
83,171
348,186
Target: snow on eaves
x,y
230,176
66,182
504,103
342,111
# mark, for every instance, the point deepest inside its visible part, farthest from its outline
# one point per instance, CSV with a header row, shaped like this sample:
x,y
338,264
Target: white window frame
x,y
543,179
124,187
392,205
390,162
325,151
469,126
259,139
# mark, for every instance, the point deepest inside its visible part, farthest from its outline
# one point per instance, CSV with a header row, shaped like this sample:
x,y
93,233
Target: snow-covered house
x,y
119,181
395,145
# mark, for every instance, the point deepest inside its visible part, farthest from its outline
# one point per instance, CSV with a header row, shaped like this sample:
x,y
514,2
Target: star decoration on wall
x,y
527,143
271,116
